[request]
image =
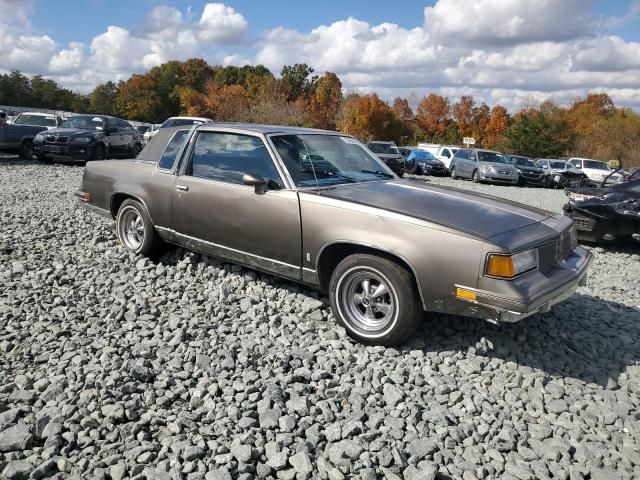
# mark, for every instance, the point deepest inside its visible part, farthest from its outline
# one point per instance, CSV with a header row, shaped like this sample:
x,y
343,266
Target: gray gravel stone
x,y
116,366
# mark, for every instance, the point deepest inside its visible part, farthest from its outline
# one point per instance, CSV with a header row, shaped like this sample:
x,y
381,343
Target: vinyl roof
x,y
260,128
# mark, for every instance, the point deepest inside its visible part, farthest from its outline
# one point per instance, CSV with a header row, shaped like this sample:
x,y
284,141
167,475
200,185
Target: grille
x,y
563,246
57,139
547,257
531,175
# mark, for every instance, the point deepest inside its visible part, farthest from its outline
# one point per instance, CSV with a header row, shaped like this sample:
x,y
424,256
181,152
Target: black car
x,y
605,213
88,137
422,162
529,172
388,152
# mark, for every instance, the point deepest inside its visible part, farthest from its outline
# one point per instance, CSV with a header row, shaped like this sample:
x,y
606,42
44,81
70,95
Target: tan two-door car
x,y
317,207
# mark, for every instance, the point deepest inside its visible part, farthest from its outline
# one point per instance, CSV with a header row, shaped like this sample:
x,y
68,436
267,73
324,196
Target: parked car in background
x,y
149,134
405,151
528,172
142,129
388,152
177,122
444,153
483,166
561,173
319,208
632,173
422,162
605,214
37,119
596,170
88,137
18,138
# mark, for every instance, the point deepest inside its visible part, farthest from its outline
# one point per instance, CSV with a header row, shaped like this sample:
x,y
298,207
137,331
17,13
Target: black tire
x,y
135,231
454,175
412,170
26,150
365,320
136,150
400,174
475,177
99,152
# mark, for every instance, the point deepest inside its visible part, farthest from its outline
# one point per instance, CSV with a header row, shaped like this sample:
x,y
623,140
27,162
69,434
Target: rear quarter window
x,y
168,158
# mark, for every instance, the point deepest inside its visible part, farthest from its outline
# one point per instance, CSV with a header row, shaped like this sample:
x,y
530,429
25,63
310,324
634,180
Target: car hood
x,y
481,215
529,169
72,132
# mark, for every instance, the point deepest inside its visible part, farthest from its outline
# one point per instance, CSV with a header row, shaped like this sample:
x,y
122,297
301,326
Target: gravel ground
x,y
115,367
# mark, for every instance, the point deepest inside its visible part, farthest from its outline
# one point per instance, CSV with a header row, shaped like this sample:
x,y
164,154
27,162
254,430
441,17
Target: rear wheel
x,y
26,150
375,299
475,177
135,230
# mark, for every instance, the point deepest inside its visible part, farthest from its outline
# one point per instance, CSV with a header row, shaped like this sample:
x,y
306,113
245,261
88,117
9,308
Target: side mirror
x,y
254,181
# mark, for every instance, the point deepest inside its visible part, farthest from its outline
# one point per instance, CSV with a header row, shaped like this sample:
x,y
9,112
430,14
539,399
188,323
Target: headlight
x,y
573,236
83,140
509,266
486,168
38,138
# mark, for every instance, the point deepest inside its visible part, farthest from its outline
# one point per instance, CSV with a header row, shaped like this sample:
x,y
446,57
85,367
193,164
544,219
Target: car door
x,y
472,163
213,210
126,136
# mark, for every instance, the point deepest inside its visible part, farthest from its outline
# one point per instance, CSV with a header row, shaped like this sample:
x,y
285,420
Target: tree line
x,y
591,127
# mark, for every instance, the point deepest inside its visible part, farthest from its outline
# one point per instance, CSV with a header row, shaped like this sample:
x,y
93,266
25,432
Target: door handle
x,y
184,188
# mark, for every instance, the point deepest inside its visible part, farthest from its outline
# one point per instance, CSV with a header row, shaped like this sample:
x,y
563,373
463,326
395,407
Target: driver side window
x,y
226,157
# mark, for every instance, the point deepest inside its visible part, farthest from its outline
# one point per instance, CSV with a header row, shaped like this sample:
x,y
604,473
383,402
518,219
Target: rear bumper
x,y
498,308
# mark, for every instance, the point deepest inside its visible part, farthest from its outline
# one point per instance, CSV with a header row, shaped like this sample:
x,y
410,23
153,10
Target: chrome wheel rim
x,y
368,299
132,226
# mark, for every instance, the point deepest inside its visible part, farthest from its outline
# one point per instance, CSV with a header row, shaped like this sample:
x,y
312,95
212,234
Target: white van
x,y
595,169
444,153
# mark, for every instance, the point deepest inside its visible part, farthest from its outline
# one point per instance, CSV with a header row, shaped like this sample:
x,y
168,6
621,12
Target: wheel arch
x,y
118,198
333,253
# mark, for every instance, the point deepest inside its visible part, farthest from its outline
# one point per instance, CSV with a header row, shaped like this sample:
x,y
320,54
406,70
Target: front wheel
x,y
99,152
475,177
26,150
454,175
375,300
136,150
135,230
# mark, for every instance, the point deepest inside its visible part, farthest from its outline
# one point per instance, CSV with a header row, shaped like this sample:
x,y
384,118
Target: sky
x,y
504,52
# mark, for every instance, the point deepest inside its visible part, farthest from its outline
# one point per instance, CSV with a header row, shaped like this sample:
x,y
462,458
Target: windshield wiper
x,y
378,172
330,173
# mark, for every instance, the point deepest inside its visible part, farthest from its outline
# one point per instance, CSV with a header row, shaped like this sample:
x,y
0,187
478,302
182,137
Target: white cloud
x,y
221,24
68,60
508,22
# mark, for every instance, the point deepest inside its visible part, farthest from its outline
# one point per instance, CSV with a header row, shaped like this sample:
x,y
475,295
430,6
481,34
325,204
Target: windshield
x,y
491,157
324,160
179,122
524,162
39,120
559,165
421,155
595,165
383,148
85,123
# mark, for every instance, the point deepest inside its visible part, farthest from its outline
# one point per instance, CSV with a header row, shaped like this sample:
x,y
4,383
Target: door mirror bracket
x,y
255,181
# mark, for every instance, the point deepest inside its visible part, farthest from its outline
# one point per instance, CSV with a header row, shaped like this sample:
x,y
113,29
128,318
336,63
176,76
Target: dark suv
x,y
88,137
388,152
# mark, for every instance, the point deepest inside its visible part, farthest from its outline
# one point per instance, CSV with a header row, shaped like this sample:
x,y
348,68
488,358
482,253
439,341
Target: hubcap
x,y
367,299
132,227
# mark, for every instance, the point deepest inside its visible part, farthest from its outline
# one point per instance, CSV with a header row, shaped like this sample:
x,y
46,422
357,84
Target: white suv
x,y
595,169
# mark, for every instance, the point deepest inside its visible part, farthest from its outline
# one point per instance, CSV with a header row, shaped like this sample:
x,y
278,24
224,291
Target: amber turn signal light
x,y
500,266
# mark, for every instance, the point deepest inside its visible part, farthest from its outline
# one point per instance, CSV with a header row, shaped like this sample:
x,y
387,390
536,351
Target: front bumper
x,y
80,152
498,308
498,178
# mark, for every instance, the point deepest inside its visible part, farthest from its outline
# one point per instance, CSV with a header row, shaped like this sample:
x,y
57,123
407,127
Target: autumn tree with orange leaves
x,y
433,116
